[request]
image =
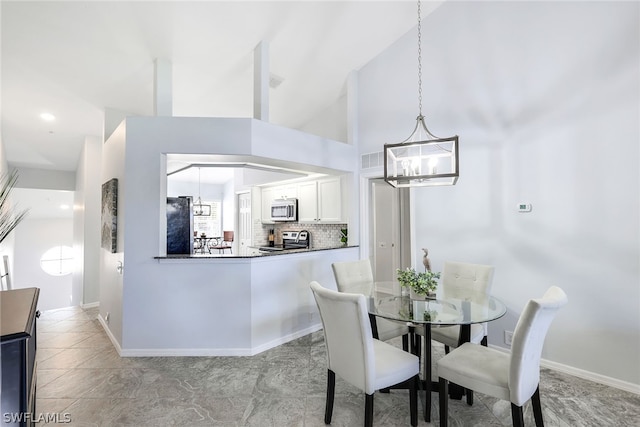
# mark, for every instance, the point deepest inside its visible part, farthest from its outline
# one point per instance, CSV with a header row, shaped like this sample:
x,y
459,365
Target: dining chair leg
x,y
469,394
413,400
484,341
517,415
331,388
443,399
537,408
368,410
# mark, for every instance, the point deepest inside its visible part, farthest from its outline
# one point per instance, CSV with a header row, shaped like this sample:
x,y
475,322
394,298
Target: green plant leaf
x,y
9,218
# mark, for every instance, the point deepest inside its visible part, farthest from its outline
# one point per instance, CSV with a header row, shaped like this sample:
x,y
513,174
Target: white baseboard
x,y
586,375
91,305
591,376
286,339
204,352
113,339
184,352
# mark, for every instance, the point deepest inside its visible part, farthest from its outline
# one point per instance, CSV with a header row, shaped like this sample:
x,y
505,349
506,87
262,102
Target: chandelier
x,y
198,208
422,159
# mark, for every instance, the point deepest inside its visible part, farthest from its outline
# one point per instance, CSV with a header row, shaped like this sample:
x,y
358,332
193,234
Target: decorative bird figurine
x,y
425,260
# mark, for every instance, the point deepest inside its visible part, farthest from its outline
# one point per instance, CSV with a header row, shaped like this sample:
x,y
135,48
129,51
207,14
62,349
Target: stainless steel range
x,y
291,240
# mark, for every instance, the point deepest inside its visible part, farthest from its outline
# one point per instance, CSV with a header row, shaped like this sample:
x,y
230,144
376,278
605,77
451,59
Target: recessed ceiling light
x,y
64,207
47,117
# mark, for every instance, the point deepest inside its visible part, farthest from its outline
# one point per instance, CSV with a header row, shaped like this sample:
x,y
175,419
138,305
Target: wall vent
x,y
372,160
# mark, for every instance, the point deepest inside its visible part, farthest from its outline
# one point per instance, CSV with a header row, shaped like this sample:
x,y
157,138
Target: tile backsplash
x,y
322,235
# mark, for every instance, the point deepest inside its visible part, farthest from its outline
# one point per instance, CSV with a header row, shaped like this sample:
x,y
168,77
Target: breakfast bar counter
x,y
253,253
226,305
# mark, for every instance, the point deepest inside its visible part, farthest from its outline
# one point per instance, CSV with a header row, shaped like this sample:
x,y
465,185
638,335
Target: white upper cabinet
x,y
267,198
289,191
320,201
308,201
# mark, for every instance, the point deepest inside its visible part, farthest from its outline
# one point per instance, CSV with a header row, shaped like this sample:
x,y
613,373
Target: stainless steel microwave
x,y
284,210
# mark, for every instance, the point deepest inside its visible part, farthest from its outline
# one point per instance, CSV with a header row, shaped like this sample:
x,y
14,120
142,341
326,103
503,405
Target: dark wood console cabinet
x,y
18,312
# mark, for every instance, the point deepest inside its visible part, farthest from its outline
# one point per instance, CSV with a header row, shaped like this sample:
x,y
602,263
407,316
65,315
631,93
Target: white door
x,y
389,232
244,223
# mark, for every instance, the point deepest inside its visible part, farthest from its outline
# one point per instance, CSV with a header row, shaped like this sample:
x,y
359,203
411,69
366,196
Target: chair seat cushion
x,y
478,368
448,335
393,365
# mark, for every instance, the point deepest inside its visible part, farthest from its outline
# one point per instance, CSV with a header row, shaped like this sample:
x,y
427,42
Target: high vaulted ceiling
x,y
73,59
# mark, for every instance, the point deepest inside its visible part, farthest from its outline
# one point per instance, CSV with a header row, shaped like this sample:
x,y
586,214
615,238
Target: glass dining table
x,y
435,312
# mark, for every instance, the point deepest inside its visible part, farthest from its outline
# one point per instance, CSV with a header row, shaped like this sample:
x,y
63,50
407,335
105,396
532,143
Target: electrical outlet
x,y
508,336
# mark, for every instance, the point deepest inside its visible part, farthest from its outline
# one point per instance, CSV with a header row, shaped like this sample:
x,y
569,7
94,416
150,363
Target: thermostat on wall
x,y
524,207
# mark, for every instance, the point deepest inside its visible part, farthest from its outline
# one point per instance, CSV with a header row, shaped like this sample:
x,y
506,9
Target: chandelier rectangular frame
x,y
422,163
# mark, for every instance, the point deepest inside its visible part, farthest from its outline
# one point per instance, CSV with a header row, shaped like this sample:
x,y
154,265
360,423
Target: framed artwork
x,y
109,215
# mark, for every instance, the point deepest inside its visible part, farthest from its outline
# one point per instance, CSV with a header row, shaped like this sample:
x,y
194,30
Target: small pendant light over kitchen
x,y
422,159
198,208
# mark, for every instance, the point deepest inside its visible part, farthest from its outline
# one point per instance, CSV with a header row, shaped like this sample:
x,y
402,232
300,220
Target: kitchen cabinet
x,y
320,201
267,198
289,191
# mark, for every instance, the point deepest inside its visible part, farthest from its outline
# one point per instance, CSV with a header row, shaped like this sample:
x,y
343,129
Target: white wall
x,y
33,237
111,281
207,192
229,207
46,179
545,99
86,224
331,123
6,247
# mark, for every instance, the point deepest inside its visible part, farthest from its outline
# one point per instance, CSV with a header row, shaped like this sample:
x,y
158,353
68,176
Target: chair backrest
x,y
227,236
458,278
354,276
347,335
527,342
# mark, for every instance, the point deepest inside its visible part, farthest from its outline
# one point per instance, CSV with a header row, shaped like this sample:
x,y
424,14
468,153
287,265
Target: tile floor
x,y
82,378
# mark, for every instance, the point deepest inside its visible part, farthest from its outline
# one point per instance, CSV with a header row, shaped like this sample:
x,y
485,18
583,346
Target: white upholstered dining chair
x,y
356,357
357,277
513,377
460,280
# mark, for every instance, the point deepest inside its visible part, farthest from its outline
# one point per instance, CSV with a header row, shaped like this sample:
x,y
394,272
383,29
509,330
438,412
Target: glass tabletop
x,y
472,308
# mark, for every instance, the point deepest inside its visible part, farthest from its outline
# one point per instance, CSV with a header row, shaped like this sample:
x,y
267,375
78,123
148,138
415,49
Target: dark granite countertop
x,y
258,255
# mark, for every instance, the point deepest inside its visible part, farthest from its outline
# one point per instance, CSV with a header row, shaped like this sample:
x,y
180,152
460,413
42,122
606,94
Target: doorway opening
x,y
389,231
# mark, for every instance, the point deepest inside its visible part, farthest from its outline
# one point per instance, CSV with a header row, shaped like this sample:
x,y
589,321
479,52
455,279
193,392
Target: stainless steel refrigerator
x,y
179,226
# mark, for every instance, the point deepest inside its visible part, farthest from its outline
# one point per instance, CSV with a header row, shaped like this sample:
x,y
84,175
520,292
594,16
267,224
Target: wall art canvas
x,y
109,215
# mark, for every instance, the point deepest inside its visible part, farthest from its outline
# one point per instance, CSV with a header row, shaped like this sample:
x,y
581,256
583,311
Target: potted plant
x,y
9,218
420,285
344,236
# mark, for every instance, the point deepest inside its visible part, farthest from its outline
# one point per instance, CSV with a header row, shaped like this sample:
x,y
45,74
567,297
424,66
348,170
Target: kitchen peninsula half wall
x,y
232,306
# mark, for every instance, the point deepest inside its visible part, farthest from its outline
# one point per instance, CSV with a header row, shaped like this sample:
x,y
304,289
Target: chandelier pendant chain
x,y
419,62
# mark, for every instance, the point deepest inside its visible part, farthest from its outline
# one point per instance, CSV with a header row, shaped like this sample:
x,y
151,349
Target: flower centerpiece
x,y
421,284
